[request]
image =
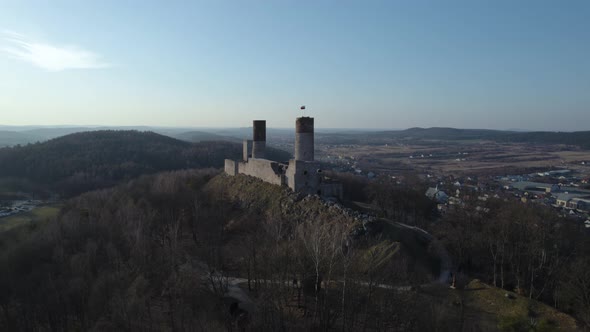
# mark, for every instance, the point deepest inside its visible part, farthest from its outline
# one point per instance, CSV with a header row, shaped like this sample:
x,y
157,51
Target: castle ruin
x,y
302,174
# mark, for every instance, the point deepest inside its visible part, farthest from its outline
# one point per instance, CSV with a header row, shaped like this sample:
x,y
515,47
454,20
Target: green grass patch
x,y
515,313
380,254
38,214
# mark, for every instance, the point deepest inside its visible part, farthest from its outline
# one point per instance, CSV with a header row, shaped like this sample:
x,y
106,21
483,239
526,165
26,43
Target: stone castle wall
x,y
231,167
302,174
266,170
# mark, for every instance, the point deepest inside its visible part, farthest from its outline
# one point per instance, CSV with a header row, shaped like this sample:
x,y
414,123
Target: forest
x,y
193,250
511,245
79,162
160,252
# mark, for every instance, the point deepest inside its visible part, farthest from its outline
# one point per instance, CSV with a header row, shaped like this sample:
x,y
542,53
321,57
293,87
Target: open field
x,y
457,157
36,215
491,300
482,307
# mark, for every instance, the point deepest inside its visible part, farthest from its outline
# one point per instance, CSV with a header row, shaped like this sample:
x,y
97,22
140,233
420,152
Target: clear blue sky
x,y
362,64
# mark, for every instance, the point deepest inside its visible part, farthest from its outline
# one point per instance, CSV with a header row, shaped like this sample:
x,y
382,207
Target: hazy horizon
x,y
197,128
376,65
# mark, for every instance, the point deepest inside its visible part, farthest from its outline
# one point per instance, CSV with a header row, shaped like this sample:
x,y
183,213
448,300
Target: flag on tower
x,y
302,107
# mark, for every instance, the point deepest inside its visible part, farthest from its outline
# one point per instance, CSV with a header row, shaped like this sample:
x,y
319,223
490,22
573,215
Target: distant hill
x,y
450,133
83,161
22,136
579,138
49,133
435,133
200,136
9,138
13,135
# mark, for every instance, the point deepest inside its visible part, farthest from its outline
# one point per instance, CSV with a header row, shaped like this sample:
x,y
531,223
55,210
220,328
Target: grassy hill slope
x,y
482,307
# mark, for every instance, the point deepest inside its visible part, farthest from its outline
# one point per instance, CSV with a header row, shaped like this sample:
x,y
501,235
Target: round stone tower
x,y
304,139
259,139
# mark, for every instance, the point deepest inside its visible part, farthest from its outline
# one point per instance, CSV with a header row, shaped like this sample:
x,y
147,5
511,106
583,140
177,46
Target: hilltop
x,y
189,248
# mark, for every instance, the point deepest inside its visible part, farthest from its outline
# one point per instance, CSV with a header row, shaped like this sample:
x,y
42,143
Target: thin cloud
x,y
47,56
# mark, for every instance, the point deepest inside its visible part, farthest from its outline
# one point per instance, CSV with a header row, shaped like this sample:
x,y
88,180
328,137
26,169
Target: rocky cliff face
x,y
264,198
